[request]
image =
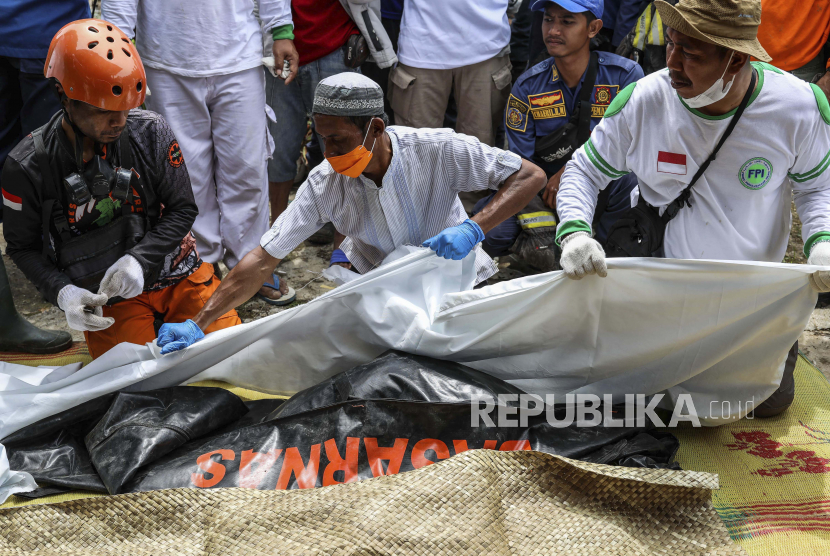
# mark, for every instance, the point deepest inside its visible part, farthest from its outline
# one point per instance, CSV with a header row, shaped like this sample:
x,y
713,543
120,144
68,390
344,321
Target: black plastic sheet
x,y
397,413
59,460
140,428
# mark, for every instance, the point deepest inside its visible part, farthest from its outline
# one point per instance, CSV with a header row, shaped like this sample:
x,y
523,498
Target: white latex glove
x,y
73,300
820,256
123,279
582,255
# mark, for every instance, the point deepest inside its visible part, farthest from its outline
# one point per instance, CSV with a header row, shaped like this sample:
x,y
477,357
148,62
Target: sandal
x,y
286,299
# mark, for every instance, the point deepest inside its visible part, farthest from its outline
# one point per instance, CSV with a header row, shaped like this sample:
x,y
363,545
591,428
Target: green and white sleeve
x,y
595,164
810,177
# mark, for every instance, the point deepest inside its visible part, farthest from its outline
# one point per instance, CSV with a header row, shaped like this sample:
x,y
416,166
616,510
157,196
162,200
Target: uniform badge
x,y
756,173
543,100
547,105
603,95
174,154
516,115
554,76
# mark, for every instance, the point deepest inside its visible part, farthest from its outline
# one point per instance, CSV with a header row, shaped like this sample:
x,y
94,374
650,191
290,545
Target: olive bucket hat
x,y
729,23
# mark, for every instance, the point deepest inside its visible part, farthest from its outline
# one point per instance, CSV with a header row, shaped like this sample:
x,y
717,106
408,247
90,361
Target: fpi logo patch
x,y
756,173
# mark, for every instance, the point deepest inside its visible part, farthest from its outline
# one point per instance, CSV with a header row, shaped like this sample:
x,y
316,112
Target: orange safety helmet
x,y
96,63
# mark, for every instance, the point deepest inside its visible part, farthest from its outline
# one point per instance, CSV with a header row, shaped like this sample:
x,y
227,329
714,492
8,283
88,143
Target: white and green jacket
x,y
778,151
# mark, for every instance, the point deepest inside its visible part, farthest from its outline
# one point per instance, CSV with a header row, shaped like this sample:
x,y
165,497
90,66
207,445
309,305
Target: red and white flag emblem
x,y
12,201
671,163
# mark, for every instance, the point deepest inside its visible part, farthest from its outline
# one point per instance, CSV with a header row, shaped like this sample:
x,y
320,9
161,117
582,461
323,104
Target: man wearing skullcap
x,y
383,187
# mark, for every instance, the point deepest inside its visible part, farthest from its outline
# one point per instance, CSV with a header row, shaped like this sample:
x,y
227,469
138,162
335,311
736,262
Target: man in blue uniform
x,y
543,118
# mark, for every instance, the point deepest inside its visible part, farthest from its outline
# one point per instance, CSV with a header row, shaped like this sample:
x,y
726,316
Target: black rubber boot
x,y
19,335
782,398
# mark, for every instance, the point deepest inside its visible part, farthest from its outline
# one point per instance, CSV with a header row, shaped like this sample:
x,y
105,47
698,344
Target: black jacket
x,y
156,158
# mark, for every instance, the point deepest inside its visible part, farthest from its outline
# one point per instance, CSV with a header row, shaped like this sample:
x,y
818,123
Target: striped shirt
x,y
418,200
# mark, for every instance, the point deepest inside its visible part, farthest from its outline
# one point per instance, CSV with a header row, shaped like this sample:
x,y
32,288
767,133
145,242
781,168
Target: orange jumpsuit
x,y
134,317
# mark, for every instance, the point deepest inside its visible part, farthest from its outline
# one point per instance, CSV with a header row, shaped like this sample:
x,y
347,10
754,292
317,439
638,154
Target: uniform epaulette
x,y
609,59
542,66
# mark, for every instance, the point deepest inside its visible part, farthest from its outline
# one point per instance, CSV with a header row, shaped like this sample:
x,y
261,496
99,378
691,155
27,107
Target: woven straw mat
x,y
479,502
774,474
77,353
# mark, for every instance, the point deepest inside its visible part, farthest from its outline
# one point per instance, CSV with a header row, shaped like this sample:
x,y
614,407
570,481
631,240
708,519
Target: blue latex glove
x,y
173,337
456,243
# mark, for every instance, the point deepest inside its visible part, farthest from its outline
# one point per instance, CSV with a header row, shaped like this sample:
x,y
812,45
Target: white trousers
x,y
221,127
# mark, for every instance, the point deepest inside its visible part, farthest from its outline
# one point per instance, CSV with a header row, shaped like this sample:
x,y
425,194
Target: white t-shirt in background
x,y
452,33
197,39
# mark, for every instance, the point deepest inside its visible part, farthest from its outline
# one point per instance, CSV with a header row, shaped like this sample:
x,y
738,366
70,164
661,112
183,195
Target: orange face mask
x,y
353,162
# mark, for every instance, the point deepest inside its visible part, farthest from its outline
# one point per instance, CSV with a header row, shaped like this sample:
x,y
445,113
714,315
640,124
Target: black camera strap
x,y
52,209
122,191
684,199
583,130
129,178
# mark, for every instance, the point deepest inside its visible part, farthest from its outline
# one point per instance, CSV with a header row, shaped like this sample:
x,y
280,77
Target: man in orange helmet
x,y
100,199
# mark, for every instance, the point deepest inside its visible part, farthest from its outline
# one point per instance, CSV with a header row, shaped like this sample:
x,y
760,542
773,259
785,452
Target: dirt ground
x,y
302,269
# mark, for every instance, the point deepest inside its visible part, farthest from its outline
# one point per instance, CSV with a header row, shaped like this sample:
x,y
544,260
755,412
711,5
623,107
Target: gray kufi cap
x,y
348,94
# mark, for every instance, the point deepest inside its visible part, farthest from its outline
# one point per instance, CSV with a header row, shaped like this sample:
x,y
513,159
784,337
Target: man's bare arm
x,y
239,286
514,195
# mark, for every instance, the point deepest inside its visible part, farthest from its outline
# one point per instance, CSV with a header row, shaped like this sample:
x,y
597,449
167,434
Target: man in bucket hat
x,y
664,127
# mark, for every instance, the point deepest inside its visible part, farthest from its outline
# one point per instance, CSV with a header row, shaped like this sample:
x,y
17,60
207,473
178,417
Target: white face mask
x,y
714,93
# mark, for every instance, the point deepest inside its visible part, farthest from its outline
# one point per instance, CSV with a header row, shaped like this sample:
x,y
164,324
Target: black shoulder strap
x,y
590,79
43,162
126,160
52,209
601,206
124,177
684,198
584,127
125,153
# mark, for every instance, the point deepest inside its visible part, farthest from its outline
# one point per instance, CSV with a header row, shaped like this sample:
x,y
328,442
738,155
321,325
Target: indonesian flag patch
x,y
12,201
671,163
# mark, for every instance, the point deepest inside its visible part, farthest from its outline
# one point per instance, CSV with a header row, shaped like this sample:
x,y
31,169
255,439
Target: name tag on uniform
x,y
547,105
671,163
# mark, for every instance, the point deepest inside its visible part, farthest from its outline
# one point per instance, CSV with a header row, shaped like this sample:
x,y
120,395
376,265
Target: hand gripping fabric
x,y
83,309
123,279
820,256
173,337
456,243
582,255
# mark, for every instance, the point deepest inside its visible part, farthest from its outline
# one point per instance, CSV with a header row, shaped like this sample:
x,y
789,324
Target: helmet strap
x,y
79,142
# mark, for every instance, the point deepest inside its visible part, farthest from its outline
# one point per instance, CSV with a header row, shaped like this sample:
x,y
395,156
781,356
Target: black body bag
x,y
86,258
562,144
641,230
